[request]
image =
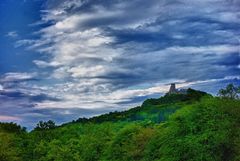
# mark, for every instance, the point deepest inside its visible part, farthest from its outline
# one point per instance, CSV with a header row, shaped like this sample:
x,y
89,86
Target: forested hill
x,y
155,110
178,127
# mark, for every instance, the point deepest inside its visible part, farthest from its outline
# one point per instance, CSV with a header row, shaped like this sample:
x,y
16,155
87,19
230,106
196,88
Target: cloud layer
x,y
98,56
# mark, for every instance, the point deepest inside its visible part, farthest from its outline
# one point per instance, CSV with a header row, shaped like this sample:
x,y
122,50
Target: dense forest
x,y
178,127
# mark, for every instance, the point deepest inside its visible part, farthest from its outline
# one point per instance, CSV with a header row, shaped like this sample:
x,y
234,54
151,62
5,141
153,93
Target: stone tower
x,y
172,89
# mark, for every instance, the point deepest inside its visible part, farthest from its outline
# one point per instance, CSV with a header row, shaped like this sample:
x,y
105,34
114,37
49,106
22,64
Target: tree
x,y
230,91
11,127
45,125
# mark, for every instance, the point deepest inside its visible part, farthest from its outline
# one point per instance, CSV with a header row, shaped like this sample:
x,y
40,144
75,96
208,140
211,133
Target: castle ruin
x,y
173,90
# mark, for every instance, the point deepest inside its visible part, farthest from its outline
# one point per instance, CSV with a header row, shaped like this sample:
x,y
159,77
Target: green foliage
x,y
9,148
129,143
11,127
202,131
190,127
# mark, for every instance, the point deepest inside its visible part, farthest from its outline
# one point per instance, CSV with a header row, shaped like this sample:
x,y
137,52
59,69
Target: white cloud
x,y
68,23
226,16
72,49
13,76
79,44
60,73
12,34
212,49
44,64
97,69
92,71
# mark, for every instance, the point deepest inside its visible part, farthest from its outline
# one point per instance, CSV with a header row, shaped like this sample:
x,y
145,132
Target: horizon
x,y
62,60
28,129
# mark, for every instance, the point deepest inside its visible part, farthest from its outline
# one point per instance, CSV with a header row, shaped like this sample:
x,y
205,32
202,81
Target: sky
x,y
62,60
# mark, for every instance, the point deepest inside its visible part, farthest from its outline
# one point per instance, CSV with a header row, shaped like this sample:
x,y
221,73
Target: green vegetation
x,y
181,127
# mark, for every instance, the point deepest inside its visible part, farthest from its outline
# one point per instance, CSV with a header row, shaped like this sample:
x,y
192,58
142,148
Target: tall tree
x,y
45,125
230,91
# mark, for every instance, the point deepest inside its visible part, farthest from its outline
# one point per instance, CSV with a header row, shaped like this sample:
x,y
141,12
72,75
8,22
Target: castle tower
x,y
172,89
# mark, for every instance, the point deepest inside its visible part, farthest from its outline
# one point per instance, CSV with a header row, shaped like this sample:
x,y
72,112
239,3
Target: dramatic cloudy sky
x,y
63,60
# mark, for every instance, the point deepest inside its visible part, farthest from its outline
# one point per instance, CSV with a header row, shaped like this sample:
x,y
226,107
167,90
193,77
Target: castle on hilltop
x,y
173,90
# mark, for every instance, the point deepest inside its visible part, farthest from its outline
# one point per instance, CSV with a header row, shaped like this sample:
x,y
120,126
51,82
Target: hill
x,y
178,127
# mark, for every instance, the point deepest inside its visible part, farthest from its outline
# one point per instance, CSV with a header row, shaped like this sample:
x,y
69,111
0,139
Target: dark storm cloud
x,y
231,60
20,95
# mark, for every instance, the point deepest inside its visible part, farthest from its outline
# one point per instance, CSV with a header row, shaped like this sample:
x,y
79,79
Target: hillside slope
x,y
178,127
